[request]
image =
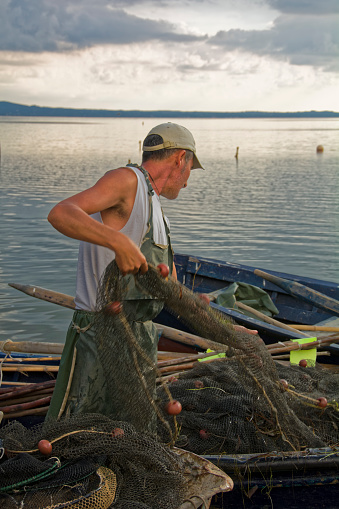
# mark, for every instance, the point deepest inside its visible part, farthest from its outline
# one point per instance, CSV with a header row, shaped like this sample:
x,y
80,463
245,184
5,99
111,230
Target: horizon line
x,y
8,108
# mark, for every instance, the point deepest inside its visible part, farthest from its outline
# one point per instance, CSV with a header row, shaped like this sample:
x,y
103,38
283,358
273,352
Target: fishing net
x,y
262,416
237,404
95,462
241,403
221,415
128,355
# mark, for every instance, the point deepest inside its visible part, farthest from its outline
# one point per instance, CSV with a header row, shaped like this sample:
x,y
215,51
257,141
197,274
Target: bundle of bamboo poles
x,y
33,399
30,364
30,399
27,364
170,365
289,346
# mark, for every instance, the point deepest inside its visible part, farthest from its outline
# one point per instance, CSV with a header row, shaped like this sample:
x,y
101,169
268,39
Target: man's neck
x,y
158,172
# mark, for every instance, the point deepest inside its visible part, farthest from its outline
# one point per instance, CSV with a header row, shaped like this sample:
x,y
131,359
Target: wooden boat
x,y
306,476
205,275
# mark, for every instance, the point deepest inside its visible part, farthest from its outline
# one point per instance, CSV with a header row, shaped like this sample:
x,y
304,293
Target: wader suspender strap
x,y
150,194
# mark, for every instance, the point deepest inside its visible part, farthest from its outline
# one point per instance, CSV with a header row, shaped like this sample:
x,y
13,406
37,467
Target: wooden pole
x,y
268,319
26,399
31,347
182,360
178,367
31,360
48,295
188,365
283,356
20,368
325,340
33,411
303,292
163,356
166,378
25,406
27,389
297,346
15,384
316,328
190,339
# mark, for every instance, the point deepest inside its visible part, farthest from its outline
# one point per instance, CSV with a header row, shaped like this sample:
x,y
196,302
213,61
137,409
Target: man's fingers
x,y
241,328
144,268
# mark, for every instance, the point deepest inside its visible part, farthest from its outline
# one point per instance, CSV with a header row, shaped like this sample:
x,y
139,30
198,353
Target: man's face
x,y
178,179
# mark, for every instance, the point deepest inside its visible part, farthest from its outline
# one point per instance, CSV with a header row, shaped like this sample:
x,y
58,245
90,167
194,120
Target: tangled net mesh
x,y
95,462
224,414
240,404
234,405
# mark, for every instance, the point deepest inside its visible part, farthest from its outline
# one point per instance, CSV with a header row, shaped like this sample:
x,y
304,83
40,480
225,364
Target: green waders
x,y
81,386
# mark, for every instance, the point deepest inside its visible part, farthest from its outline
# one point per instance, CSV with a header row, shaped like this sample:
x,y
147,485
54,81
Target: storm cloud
x,y
300,40
171,54
319,7
45,25
303,32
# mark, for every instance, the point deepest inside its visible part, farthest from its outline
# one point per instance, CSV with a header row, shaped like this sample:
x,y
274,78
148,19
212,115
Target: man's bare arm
x,y
114,193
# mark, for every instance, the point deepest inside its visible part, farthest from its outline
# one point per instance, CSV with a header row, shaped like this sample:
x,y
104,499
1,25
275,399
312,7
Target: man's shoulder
x,y
124,184
125,176
127,171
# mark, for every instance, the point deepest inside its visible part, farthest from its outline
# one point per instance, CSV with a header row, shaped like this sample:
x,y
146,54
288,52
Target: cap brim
x,y
196,163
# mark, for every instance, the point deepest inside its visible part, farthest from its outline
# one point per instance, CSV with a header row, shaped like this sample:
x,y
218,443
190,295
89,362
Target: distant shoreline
x,y
9,109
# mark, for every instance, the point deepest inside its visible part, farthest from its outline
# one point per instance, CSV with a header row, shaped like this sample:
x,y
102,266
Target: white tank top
x,y
93,259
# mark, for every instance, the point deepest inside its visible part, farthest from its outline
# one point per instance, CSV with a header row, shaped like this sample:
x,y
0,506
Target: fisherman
x,y
119,218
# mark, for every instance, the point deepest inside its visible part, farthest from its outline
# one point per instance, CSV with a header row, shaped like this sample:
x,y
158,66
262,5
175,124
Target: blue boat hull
x,y
204,275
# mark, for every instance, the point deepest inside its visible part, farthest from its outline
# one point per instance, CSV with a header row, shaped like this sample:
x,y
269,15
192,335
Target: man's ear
x,y
180,156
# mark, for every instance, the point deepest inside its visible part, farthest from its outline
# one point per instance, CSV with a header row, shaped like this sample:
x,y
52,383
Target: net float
x,y
204,298
45,447
284,383
204,434
113,308
163,269
303,363
198,384
173,407
117,432
322,402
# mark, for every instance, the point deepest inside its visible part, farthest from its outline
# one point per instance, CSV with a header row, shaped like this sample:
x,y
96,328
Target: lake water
x,y
275,207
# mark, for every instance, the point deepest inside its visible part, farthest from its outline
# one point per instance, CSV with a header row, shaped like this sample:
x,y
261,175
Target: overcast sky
x,y
206,55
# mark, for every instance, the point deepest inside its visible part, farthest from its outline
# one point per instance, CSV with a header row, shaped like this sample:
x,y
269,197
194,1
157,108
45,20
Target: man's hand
x,y
240,328
128,256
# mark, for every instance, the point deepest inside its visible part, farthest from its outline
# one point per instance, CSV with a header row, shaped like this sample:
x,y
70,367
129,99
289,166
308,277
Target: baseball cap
x,y
174,136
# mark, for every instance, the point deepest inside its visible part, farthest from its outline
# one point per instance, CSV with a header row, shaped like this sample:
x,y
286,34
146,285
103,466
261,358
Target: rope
x,y
79,329
8,354
4,344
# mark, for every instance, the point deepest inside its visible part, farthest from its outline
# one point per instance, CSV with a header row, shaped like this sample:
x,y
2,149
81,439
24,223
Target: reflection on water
x,y
276,206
